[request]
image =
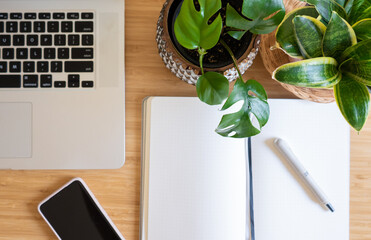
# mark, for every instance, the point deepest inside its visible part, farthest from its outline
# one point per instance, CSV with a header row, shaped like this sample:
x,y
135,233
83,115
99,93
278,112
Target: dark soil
x,y
217,56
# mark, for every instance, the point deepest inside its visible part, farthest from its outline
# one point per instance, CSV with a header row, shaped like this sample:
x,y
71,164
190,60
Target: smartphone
x,y
73,213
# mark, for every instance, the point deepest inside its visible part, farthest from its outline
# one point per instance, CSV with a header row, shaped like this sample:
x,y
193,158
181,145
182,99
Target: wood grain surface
x,y
119,190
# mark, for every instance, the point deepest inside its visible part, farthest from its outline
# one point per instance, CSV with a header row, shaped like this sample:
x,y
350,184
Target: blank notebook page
x,y
196,178
284,208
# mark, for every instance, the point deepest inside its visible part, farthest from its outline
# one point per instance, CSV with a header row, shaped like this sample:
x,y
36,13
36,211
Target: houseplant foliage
x,y
333,40
200,27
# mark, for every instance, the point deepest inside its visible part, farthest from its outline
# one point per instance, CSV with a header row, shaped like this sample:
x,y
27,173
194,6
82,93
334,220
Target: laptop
x,y
62,84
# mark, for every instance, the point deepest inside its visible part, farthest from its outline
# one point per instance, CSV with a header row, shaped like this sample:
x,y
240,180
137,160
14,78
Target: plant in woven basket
x,y
325,35
199,27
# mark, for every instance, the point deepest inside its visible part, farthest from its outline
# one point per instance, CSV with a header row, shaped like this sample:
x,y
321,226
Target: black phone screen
x,y
74,215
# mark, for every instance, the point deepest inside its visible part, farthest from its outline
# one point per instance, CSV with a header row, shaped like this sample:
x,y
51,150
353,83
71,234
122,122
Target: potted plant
x,y
220,30
333,42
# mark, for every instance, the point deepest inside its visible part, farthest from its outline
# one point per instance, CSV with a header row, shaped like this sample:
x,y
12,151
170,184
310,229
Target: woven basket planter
x,y
184,69
272,59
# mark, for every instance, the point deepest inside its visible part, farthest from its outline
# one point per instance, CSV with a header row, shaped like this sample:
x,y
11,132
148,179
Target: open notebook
x,y
194,181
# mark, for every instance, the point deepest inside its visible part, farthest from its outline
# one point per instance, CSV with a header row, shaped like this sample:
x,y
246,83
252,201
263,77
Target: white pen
x,y
284,148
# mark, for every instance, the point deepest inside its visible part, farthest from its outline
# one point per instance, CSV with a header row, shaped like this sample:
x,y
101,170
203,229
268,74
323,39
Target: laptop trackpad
x,y
15,130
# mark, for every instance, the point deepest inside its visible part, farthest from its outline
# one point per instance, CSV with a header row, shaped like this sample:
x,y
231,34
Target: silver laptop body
x,y
62,108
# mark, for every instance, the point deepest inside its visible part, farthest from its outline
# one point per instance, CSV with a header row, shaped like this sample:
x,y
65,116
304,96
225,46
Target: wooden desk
x,y
119,190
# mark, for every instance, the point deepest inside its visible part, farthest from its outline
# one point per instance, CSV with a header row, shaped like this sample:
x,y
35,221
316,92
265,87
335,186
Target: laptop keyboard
x,y
46,50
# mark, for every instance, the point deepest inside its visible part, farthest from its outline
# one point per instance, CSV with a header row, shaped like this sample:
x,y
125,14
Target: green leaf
x,y
314,73
309,33
235,20
240,124
348,6
360,51
285,35
212,88
326,7
357,70
191,26
341,2
237,34
353,100
362,29
259,11
358,10
339,36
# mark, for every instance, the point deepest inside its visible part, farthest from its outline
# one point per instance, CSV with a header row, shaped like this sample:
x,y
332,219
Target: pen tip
x,y
330,207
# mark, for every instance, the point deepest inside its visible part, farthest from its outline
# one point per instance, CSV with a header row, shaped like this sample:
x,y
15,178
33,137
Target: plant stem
x,y
202,53
232,56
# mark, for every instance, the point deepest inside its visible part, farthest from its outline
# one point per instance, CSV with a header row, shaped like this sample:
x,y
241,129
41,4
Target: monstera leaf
x,y
339,36
353,100
255,105
192,28
285,35
258,11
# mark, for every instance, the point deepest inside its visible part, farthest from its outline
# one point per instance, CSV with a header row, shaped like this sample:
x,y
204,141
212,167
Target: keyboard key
x,y
73,15
66,27
56,66
78,66
82,53
16,16
49,53
32,40
1,27
8,53
63,53
60,84
46,81
84,26
44,15
87,84
39,27
25,27
73,40
46,40
3,15
60,40
58,15
73,81
10,81
42,67
29,67
74,77
87,40
22,53
35,53
14,67
30,81
30,15
53,27
3,67
4,40
87,15
18,40
11,27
